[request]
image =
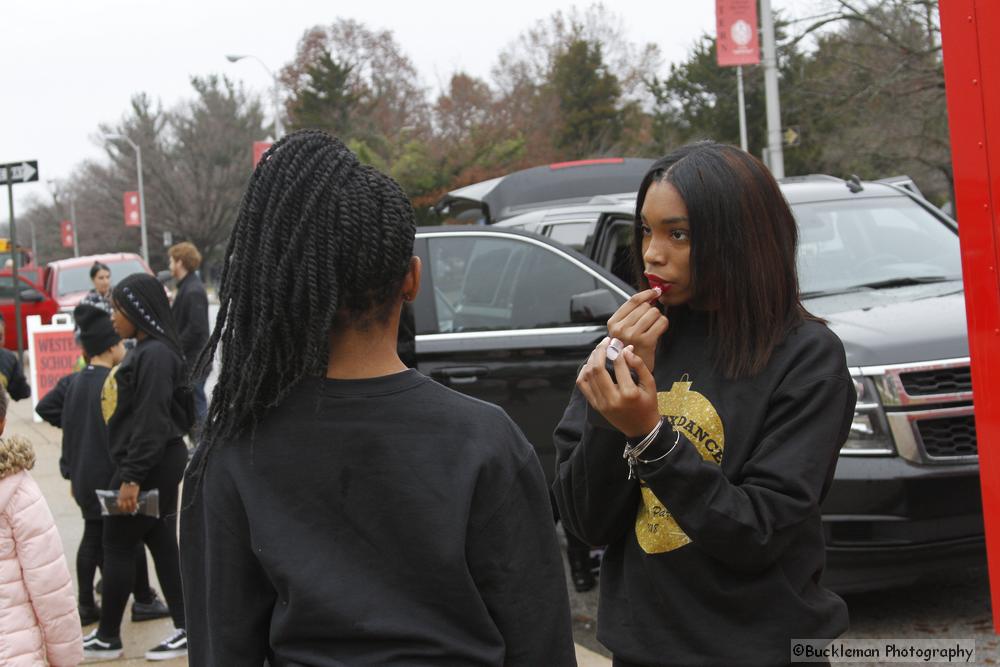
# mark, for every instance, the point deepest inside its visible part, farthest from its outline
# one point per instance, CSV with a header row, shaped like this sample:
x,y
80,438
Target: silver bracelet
x,y
677,439
632,453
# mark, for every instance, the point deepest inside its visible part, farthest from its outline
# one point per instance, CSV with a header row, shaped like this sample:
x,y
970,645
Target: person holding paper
x,y
148,406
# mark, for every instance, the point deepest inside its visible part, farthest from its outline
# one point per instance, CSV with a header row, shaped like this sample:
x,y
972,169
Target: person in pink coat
x,y
39,623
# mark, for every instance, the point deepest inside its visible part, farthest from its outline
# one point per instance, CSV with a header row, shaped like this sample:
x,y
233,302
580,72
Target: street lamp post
x,y
279,128
54,187
142,195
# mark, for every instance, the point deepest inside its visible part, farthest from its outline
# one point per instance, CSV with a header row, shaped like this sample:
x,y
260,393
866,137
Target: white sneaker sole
x,y
104,654
166,655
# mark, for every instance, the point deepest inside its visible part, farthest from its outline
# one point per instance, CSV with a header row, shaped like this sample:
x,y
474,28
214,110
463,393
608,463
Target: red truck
x,y
57,287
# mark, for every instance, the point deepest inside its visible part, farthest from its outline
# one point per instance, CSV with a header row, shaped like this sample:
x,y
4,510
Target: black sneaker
x,y
89,613
147,611
174,646
98,648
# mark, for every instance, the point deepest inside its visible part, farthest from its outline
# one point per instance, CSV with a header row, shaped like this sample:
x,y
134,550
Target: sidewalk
x,y
136,637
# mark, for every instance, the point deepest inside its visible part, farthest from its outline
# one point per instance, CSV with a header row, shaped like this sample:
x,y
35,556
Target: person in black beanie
x,y
148,408
74,405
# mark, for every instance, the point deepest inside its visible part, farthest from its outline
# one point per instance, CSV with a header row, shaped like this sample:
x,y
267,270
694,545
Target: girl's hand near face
x,y
629,406
639,323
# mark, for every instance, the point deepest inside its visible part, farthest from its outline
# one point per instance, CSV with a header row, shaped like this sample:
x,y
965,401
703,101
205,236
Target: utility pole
x,y
776,158
142,194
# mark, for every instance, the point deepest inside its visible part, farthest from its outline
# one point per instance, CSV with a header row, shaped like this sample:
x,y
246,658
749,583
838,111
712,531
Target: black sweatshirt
x,y
143,422
190,311
715,558
385,521
12,376
74,405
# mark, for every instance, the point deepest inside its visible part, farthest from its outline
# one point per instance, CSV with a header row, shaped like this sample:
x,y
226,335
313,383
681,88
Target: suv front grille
x,y
937,381
949,437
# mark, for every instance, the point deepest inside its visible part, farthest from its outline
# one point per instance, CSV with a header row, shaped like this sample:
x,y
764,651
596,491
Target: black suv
x,y
510,310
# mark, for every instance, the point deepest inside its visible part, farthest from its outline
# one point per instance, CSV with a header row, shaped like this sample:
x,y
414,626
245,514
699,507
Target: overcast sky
x,y
68,65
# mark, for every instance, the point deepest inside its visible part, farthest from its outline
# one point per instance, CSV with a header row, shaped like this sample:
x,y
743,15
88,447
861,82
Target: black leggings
x,y
123,533
90,556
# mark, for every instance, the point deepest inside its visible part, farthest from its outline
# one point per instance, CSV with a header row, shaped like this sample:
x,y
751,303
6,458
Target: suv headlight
x,y
869,435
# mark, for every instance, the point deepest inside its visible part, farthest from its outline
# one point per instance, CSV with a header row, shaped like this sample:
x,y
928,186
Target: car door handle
x,y
460,374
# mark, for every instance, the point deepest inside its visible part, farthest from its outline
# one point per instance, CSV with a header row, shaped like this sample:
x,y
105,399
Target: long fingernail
x,y
614,349
658,291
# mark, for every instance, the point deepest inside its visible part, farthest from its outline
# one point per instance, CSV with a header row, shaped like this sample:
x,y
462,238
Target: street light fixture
x,y
279,128
142,196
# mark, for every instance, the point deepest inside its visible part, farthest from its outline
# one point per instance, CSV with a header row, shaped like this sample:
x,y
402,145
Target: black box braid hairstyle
x,y
319,236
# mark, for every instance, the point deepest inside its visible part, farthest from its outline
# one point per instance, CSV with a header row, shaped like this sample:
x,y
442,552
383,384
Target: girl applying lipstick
x,y
730,429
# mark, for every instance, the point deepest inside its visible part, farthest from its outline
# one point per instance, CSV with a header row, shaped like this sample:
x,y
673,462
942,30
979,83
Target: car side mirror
x,y
31,295
595,306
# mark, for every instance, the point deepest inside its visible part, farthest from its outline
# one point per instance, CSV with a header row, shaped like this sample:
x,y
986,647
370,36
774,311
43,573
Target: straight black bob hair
x,y
96,267
743,251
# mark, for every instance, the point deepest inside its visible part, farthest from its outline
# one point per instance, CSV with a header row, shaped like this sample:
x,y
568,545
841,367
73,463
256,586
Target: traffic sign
x,y
791,136
19,172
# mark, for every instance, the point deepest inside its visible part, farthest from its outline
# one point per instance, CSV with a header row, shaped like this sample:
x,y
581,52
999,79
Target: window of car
x,y
77,278
845,243
571,234
485,283
616,251
7,287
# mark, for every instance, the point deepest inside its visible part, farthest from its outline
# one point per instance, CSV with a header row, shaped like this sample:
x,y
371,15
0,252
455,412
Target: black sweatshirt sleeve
x,y
596,500
195,329
17,385
153,426
50,408
514,550
228,598
747,525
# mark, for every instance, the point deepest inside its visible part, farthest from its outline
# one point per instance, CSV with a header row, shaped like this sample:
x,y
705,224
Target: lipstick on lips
x,y
657,282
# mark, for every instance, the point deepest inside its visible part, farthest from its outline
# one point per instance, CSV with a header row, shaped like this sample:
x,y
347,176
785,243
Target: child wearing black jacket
x,y
146,419
705,474
74,405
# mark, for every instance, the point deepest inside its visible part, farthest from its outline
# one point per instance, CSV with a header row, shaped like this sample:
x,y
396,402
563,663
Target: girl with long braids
x,y
341,508
149,406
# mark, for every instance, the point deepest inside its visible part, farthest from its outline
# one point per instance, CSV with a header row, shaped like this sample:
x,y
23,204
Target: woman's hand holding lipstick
x,y
639,323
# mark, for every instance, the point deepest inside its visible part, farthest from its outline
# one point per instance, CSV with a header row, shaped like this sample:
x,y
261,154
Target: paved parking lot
x,y
954,605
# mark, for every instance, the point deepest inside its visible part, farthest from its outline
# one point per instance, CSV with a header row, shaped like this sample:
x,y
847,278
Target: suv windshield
x,y
77,278
872,242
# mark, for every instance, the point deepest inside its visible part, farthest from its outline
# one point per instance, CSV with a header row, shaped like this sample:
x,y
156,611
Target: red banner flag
x,y
131,201
736,41
66,233
259,148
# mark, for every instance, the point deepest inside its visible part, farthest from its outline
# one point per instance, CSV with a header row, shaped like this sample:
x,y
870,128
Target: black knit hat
x,y
142,299
96,332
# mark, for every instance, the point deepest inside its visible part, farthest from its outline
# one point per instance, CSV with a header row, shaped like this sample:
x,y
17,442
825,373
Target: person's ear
x,y
411,283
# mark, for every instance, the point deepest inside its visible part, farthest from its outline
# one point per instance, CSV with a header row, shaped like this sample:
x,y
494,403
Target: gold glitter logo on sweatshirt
x,y
109,395
695,418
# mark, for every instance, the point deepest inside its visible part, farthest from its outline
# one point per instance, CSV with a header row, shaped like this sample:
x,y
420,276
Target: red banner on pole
x,y
736,40
66,233
259,148
131,201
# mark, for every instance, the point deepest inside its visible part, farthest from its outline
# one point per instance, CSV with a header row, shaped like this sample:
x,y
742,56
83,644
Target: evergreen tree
x,y
588,97
326,101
